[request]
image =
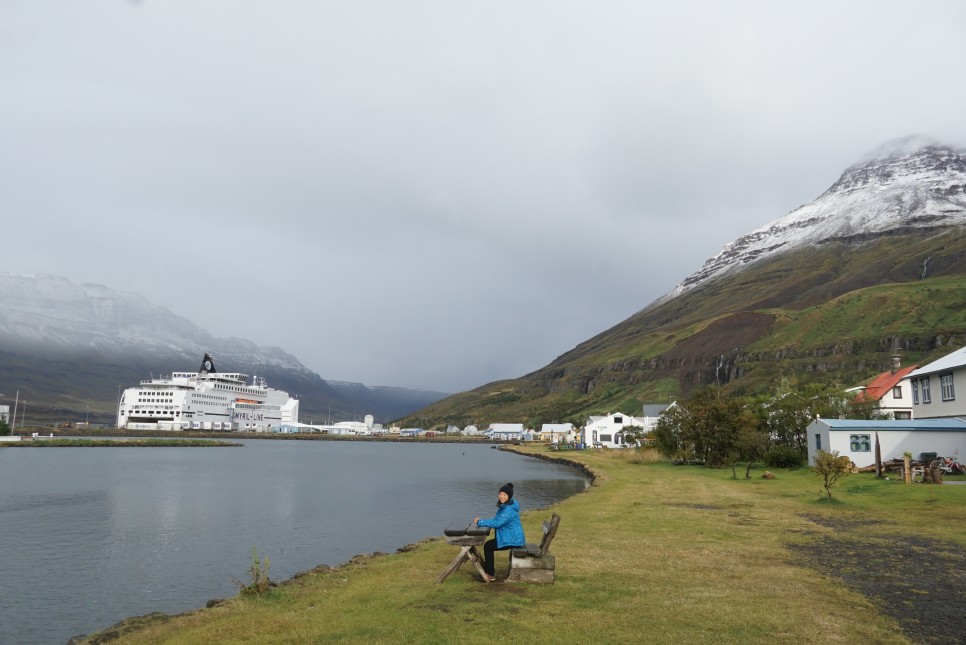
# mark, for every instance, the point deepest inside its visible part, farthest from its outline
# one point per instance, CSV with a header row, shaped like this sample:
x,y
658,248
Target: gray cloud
x,y
438,194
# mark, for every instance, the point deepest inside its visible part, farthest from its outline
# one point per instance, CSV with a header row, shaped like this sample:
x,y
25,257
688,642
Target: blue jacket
x,y
509,531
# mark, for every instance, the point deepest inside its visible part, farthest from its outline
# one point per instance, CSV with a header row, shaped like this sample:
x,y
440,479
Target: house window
x,y
926,396
903,416
946,384
860,443
618,419
818,441
897,392
606,438
915,392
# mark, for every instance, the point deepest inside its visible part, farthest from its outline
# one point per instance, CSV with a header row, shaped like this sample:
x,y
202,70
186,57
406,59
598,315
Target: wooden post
x,y
906,470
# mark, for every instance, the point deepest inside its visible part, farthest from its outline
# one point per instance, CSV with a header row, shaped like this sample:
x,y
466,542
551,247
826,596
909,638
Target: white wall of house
x,y
898,403
856,440
605,432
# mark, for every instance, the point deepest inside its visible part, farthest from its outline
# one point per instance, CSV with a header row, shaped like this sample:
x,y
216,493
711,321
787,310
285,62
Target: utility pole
x,y
17,401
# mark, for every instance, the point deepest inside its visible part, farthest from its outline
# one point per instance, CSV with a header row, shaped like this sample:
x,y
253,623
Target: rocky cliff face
x,y
908,184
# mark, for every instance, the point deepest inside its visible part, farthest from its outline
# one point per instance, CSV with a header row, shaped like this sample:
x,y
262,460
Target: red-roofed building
x,y
894,397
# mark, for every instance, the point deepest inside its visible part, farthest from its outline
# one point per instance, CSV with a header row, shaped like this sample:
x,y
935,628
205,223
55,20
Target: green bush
x,y
784,456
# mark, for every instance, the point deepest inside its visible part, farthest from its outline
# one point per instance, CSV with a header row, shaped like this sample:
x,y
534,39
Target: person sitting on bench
x,y
509,531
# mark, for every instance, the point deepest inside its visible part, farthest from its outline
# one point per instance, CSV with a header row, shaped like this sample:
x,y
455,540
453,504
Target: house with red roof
x,y
893,395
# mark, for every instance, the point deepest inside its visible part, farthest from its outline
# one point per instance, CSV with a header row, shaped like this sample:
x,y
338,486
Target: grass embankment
x,y
48,442
651,553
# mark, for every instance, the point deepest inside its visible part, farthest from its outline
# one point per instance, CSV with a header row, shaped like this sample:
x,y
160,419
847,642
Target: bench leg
x,y
455,564
466,553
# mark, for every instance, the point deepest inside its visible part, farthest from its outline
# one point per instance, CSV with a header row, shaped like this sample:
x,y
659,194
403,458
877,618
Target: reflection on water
x,y
91,536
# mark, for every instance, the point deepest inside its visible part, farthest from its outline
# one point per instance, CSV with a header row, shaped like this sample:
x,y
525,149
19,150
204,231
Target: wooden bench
x,y
533,563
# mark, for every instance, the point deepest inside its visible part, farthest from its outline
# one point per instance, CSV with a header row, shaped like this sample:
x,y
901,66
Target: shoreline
x,y
269,436
146,442
136,622
692,553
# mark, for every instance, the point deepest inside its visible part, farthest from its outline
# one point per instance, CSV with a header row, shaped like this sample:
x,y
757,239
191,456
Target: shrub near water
x,y
258,572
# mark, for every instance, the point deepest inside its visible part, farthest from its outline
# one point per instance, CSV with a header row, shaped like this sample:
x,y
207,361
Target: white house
x,y
470,431
555,432
606,431
934,388
856,438
508,432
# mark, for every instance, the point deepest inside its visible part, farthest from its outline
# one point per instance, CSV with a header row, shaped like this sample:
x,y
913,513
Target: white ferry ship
x,y
205,400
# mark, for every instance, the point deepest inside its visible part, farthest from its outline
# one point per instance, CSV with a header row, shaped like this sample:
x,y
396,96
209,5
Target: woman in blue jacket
x,y
509,531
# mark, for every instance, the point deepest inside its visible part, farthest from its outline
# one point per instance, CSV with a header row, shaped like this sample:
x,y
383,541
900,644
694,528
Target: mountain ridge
x,y
923,187
894,220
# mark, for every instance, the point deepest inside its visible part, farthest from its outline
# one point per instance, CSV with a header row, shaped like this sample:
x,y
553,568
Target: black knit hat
x,y
508,489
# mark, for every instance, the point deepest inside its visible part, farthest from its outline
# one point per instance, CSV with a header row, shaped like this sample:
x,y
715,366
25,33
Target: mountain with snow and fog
x,y
69,347
827,293
910,183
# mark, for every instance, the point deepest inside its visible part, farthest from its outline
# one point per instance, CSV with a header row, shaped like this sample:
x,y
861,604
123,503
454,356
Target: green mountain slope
x,y
832,313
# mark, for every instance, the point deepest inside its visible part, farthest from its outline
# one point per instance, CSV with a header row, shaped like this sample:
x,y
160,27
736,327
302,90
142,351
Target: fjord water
x,y
94,535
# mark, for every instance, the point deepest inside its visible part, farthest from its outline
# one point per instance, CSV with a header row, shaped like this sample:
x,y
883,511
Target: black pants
x,y
489,550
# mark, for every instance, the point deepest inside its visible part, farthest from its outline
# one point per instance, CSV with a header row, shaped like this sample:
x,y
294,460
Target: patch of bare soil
x,y
919,582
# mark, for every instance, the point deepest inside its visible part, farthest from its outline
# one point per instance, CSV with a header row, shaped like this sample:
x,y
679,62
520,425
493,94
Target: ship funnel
x,y
207,364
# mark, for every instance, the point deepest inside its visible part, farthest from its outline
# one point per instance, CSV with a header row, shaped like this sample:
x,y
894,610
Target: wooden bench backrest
x,y
549,531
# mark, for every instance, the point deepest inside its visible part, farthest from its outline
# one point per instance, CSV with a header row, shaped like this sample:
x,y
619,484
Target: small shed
x,y
856,438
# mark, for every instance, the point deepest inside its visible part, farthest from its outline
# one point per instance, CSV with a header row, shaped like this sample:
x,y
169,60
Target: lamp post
x,y
87,417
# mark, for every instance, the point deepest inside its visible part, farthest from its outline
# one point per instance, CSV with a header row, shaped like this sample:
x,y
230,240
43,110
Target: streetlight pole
x,y
87,418
15,403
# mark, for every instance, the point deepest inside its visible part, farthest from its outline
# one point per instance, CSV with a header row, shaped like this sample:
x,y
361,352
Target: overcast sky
x,y
438,194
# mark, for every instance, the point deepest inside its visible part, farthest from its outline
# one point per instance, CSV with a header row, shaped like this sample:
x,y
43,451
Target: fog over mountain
x,y
63,341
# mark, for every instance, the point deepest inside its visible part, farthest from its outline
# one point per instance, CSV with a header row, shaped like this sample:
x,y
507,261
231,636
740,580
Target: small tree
x,y
4,428
831,466
634,436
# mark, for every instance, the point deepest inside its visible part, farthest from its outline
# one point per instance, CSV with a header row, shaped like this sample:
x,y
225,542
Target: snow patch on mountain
x,y
904,184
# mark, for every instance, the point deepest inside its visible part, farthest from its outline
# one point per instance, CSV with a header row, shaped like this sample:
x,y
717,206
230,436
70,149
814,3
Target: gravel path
x,y
921,583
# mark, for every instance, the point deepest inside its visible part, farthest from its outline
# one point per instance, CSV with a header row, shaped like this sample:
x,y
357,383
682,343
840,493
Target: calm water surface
x,y
94,535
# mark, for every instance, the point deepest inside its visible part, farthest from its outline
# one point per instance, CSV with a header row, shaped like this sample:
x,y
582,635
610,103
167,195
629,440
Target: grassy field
x,y
650,553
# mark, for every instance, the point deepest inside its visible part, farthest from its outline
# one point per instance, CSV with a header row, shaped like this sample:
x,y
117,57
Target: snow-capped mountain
x,y
909,183
55,315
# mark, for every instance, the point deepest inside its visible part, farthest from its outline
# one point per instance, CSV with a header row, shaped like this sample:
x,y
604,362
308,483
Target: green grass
x,y
651,553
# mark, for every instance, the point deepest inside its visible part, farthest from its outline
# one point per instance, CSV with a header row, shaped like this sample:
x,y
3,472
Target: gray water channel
x,y
89,536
